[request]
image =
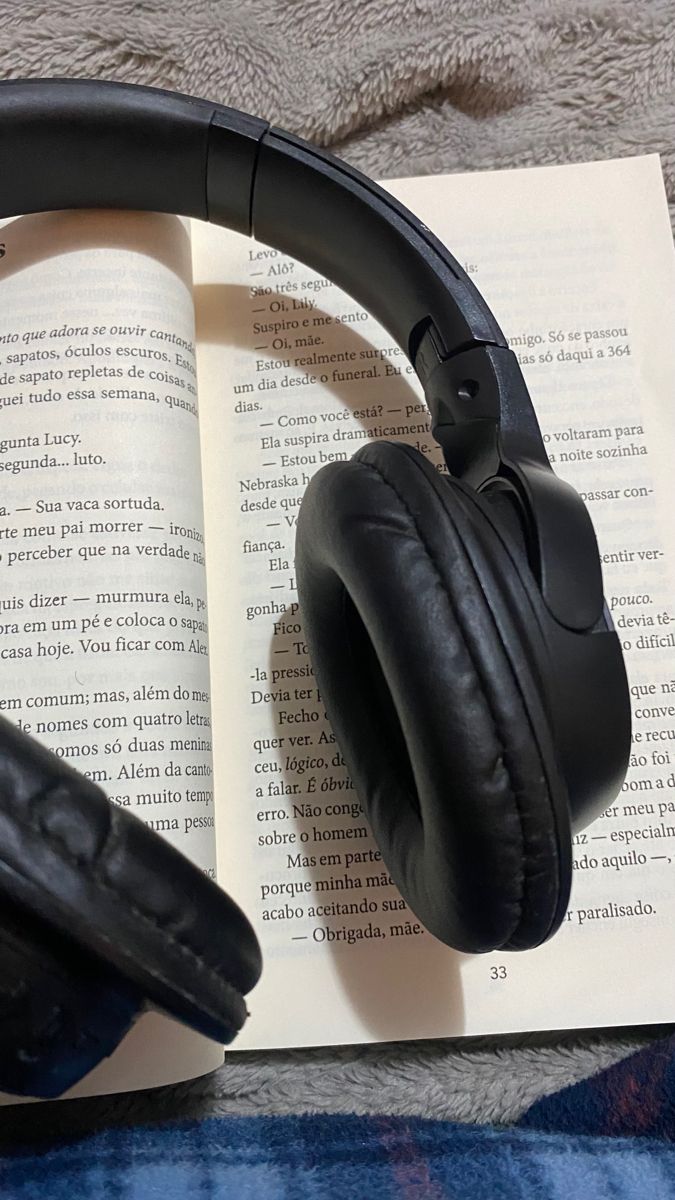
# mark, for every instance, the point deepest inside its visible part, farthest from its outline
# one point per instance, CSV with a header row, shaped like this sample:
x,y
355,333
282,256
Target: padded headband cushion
x,y
97,876
442,730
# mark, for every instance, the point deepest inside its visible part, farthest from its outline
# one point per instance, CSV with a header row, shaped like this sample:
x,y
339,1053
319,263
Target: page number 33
x,y
498,972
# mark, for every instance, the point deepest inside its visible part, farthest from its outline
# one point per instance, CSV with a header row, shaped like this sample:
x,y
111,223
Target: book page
x,y
577,263
103,598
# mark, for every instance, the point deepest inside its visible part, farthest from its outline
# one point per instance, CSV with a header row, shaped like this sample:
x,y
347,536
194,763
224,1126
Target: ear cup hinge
x,y
479,405
482,417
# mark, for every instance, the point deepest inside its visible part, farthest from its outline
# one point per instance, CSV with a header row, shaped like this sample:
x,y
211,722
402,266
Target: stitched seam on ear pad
x,y
521,877
186,950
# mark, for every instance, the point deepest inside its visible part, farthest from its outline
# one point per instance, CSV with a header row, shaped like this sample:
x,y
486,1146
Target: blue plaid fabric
x,y
336,1157
634,1098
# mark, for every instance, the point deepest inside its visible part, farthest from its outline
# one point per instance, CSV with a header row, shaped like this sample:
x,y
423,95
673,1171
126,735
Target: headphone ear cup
x,y
432,698
61,1010
112,912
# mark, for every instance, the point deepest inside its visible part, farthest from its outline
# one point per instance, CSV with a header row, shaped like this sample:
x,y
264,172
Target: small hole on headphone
x,y
467,389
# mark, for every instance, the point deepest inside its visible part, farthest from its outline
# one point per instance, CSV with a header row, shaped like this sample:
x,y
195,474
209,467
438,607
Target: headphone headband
x,y
90,144
76,143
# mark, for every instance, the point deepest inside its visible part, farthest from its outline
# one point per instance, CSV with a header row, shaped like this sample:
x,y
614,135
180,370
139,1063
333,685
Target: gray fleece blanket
x,y
398,87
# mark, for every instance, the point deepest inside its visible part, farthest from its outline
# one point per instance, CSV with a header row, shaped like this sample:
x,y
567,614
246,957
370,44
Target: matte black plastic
x,y
581,673
471,394
234,140
73,143
80,144
325,213
483,419
591,718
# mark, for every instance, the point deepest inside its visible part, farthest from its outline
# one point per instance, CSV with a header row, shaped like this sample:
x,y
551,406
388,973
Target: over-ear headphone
x,y
455,622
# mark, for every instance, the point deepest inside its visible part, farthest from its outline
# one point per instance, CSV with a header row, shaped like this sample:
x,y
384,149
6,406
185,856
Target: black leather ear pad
x,y
425,642
97,877
61,1009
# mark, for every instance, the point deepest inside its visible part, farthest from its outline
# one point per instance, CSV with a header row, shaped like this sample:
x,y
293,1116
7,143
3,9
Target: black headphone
x,y
456,623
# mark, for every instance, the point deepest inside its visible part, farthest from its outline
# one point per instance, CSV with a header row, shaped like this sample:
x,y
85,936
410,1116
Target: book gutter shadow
x,y
400,986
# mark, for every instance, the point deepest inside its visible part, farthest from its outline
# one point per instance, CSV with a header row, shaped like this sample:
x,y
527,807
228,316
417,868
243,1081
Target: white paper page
x,y
577,263
103,598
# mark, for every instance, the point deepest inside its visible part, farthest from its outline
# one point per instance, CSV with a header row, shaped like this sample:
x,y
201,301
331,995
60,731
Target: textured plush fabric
x,y
320,1158
398,87
608,1136
401,87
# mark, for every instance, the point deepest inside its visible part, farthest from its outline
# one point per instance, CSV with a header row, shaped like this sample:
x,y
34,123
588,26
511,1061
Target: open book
x,y
166,391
